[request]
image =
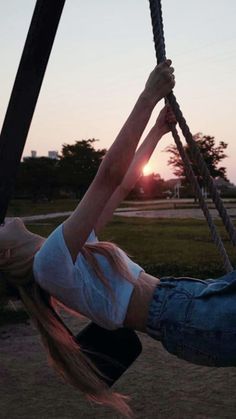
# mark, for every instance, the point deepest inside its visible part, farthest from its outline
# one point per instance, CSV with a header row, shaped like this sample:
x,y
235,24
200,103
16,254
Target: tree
x,y
79,163
212,154
37,178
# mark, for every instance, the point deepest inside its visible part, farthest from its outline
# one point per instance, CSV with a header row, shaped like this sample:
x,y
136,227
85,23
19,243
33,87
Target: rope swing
x,y
159,42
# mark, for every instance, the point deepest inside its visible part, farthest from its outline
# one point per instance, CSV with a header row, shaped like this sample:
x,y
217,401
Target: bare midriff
x,y
137,313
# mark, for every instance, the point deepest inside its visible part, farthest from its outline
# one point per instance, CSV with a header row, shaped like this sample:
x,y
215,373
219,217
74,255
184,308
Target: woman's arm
x,y
78,226
134,172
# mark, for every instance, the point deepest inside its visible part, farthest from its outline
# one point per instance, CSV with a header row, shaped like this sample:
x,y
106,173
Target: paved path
x,y
173,213
47,216
136,212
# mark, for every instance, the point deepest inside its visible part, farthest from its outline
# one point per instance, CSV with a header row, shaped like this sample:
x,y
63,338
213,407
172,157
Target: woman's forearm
x,y
162,126
121,153
141,158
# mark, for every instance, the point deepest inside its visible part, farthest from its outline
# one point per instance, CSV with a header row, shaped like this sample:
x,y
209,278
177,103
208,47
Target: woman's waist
x,y
138,308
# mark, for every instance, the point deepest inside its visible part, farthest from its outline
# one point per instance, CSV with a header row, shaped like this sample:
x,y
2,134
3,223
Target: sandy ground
x,y
160,385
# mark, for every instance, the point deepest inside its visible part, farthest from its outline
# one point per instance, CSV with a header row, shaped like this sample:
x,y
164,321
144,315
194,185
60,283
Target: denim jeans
x,y
196,319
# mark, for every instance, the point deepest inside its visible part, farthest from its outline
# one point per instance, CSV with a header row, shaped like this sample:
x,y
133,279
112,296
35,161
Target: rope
x,y
158,34
198,193
203,169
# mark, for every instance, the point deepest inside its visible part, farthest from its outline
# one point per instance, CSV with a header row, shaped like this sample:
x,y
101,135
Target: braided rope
x,y
203,169
198,193
158,33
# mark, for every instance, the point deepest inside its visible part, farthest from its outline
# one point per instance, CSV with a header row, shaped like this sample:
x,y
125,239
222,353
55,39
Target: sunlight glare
x,y
147,169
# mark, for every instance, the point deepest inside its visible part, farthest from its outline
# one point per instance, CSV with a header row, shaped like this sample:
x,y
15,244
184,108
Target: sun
x,y
147,169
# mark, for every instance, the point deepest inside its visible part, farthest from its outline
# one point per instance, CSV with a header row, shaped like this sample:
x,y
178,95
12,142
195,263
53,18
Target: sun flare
x,y
147,169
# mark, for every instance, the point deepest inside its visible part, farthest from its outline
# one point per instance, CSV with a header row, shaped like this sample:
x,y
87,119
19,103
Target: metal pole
x,y
25,93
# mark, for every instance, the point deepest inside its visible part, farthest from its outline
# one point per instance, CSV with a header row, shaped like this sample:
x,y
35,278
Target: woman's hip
x,y
196,319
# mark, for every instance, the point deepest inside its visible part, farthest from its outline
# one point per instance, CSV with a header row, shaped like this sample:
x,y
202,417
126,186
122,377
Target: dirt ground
x,y
160,385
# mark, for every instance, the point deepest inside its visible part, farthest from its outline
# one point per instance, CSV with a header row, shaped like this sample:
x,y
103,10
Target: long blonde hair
x,y
64,353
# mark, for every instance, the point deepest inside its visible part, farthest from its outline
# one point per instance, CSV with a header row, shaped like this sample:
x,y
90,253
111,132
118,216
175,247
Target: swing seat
x,y
112,351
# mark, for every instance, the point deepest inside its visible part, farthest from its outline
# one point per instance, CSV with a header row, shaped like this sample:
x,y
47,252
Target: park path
x,y
172,213
140,212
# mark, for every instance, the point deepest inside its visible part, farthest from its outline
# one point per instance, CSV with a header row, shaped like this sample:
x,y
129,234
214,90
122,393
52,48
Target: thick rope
x,y
198,193
158,33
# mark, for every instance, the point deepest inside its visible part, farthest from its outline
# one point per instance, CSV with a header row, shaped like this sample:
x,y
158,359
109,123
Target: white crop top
x,y
77,286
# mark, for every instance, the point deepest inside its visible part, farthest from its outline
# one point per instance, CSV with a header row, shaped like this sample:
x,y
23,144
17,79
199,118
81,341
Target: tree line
x,y
71,174
68,176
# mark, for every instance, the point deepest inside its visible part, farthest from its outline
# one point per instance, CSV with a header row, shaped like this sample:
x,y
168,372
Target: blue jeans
x,y
196,319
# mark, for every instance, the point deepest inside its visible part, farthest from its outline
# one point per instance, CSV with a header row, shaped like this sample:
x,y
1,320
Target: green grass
x,y
24,207
169,246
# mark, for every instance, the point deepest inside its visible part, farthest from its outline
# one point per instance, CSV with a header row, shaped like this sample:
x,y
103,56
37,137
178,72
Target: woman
x,y
98,280
94,278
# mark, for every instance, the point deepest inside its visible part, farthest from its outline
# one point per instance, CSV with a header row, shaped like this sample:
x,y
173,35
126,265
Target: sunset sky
x,y
101,58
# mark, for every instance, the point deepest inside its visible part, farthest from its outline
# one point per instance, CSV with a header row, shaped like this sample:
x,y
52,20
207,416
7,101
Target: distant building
x,y
33,155
53,154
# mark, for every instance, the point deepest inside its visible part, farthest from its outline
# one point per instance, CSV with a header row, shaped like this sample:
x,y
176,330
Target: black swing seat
x,y
112,351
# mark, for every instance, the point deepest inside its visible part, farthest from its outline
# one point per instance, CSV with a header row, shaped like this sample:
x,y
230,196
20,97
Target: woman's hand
x,y
165,118
160,82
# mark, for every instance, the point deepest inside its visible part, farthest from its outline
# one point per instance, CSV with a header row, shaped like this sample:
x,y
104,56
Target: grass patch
x,y
24,207
169,246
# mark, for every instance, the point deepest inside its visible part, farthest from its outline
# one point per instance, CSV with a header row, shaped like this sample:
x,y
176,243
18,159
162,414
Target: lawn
x,y
24,207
